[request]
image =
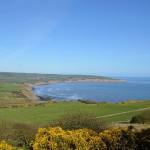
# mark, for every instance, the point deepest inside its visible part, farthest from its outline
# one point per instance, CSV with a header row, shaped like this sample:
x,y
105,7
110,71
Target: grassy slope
x,y
45,113
11,95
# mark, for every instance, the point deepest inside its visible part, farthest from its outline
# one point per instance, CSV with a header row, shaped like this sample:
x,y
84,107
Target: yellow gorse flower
x,y
57,138
82,139
5,146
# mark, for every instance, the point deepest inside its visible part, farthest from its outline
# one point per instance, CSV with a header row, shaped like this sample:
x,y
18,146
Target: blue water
x,y
132,89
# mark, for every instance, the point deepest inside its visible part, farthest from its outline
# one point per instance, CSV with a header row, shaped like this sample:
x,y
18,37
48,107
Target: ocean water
x,y
132,89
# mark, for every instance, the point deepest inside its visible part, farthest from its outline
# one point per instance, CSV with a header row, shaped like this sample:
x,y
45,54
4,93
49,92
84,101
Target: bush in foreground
x,y
5,146
84,139
143,139
23,134
119,139
18,134
59,139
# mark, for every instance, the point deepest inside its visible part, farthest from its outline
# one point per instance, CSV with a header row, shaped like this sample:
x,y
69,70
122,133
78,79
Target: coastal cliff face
x,y
27,92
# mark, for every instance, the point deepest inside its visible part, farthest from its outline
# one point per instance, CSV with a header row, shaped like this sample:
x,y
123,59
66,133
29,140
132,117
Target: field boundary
x,y
126,112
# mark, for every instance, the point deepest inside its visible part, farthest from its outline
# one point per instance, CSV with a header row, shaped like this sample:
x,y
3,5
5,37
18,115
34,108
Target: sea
x,y
134,88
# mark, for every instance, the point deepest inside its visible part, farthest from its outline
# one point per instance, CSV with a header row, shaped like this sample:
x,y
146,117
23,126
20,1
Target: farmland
x,y
47,112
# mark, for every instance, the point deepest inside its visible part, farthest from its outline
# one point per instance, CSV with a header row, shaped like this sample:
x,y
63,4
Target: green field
x,y
44,113
16,103
11,95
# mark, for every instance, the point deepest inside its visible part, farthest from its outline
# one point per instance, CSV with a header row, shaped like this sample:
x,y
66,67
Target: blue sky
x,y
101,37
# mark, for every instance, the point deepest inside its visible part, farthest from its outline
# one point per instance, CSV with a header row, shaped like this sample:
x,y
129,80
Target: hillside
x,y
6,77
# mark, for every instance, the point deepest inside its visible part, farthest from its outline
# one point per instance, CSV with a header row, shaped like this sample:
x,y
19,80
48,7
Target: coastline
x,y
37,99
27,88
30,86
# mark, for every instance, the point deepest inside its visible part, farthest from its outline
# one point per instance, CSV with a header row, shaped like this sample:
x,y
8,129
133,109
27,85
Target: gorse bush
x,y
55,138
59,139
118,139
5,146
84,139
80,121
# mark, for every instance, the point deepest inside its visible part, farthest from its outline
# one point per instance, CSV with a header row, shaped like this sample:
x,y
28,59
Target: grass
x,y
18,109
44,113
11,95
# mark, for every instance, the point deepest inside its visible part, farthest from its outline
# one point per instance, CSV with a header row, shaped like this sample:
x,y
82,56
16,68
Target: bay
x,y
134,88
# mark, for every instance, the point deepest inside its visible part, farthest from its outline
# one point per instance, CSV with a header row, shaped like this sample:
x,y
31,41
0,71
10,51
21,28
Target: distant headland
x,y
40,79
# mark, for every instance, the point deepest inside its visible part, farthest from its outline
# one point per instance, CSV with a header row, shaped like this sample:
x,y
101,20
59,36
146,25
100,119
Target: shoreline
x,y
28,87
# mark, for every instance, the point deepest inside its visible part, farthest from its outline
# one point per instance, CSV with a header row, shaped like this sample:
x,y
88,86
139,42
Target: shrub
x,y
5,130
18,134
141,118
143,139
87,101
59,139
23,134
85,139
80,121
118,139
137,119
5,146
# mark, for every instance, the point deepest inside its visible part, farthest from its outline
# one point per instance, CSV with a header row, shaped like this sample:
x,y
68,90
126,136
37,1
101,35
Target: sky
x,y
97,37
